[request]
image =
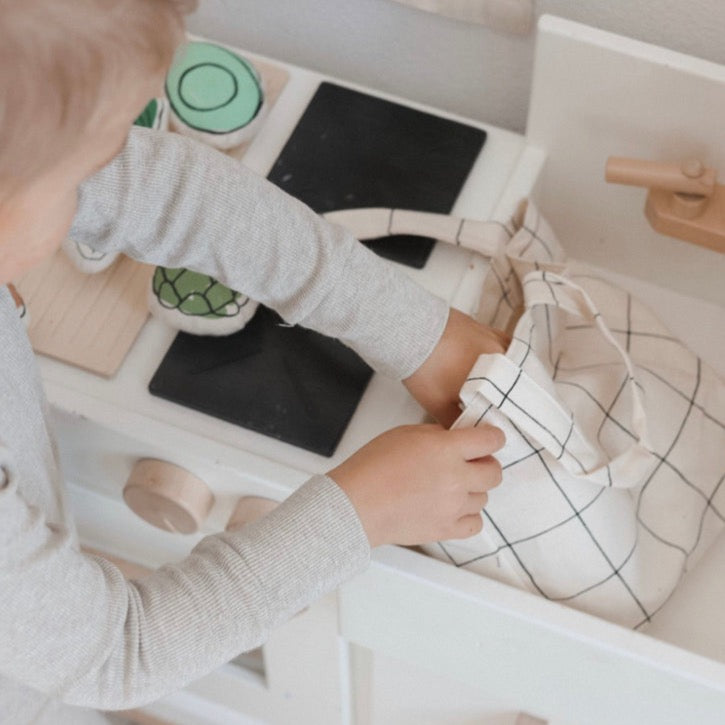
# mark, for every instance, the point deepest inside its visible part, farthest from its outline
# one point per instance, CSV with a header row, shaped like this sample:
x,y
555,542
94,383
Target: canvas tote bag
x,y
614,464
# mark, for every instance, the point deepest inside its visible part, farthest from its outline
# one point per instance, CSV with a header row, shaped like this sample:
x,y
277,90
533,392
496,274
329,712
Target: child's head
x,y
74,74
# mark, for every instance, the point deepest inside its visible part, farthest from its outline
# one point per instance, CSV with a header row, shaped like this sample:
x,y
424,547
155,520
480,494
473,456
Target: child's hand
x,y
435,384
420,483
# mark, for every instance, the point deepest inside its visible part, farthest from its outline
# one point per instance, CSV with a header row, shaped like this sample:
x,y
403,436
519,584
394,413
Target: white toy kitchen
x,y
416,640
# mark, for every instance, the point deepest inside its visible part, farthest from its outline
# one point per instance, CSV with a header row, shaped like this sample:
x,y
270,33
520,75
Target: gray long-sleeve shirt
x,y
73,631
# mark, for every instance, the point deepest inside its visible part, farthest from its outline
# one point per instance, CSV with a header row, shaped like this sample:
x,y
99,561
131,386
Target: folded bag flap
x,y
488,238
527,393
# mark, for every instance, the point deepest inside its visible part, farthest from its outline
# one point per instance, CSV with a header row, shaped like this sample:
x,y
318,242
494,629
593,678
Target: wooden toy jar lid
x,y
168,496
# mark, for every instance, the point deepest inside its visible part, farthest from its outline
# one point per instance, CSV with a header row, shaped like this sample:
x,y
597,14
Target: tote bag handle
x,y
497,381
486,238
526,394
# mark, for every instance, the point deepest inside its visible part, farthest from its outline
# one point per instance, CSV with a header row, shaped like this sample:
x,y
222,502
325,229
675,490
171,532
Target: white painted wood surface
x,y
596,95
514,648
509,16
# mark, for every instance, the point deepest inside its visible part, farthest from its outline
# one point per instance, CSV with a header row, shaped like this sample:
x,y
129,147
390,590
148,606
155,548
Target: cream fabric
x,y
615,457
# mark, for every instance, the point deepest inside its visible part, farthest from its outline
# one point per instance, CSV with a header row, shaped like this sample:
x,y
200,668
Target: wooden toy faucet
x,y
684,200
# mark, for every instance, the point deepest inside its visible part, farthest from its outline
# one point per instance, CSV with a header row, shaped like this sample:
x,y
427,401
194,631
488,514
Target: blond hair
x,y
61,61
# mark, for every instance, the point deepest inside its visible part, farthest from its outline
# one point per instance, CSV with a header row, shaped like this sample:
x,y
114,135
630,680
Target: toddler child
x,y
75,636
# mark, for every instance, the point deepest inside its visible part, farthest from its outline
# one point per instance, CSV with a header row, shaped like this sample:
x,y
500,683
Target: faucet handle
x,y
689,177
683,201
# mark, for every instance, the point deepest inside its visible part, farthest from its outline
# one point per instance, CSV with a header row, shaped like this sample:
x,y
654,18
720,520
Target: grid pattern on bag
x,y
575,519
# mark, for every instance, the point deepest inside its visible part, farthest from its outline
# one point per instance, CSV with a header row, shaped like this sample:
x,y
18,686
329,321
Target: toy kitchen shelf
x,y
487,650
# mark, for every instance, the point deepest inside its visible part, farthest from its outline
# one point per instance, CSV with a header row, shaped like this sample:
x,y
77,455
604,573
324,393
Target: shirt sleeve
x,y
171,201
71,626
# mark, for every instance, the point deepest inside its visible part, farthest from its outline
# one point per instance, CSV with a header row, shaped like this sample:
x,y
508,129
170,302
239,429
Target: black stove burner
x,y
351,150
286,382
348,150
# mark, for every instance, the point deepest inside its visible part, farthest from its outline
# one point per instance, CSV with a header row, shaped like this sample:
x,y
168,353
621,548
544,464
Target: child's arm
x,y
72,627
171,201
435,384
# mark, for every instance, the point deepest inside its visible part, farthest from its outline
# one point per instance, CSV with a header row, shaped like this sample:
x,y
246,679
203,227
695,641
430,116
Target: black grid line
x,y
586,528
458,233
629,323
607,415
608,412
592,366
668,544
494,317
508,227
523,540
594,539
532,236
504,290
483,415
535,237
677,435
550,347
549,284
511,464
702,410
708,506
509,391
615,573
687,482
654,473
670,474
516,556
507,398
527,343
568,436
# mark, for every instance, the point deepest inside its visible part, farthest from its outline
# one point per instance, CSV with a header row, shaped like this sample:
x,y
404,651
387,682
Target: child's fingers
x,y
483,474
503,337
478,476
467,526
476,502
478,442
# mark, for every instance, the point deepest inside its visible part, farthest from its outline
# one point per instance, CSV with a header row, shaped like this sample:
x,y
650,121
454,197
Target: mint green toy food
x,y
215,95
198,304
155,115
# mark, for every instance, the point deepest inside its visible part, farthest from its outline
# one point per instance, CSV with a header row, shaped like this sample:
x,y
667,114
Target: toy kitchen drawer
x,y
483,650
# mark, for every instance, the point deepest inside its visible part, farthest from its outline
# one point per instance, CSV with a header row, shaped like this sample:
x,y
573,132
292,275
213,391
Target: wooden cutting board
x,y
88,320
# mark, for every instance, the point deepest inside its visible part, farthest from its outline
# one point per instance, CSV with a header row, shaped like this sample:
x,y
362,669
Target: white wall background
x,y
462,68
